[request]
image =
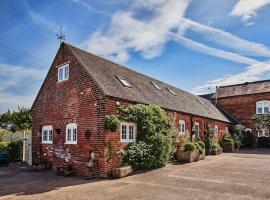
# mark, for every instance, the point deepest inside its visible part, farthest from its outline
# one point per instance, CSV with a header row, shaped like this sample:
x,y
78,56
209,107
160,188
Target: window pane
x,y
66,72
50,135
60,74
260,110
266,109
74,135
44,135
124,132
131,132
69,135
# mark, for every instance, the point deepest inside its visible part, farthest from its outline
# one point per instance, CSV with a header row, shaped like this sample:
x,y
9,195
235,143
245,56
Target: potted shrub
x,y
201,150
111,122
189,153
227,143
216,149
68,171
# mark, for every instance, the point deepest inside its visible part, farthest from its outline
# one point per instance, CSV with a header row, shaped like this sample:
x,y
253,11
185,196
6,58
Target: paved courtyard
x,y
244,175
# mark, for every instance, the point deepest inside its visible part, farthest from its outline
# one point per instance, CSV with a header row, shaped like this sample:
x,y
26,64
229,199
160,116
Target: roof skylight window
x,y
200,100
124,82
171,91
156,86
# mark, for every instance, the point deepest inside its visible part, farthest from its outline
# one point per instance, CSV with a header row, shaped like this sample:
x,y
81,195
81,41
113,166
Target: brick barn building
x,y
80,89
244,101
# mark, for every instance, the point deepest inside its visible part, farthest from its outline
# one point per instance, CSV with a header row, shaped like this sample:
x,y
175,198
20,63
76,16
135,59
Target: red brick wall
x,y
243,108
76,100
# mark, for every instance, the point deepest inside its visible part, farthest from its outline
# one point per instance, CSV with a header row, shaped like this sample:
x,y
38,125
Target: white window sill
x,y
128,141
71,143
44,142
62,81
181,133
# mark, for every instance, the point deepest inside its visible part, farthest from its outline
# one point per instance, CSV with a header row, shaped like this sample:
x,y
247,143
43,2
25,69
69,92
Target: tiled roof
x,y
244,89
142,90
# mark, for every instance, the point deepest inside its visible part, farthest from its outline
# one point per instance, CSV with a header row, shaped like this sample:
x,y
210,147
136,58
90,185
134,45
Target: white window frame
x,y
124,82
156,86
47,134
197,124
63,73
216,129
128,126
181,127
73,128
262,105
264,133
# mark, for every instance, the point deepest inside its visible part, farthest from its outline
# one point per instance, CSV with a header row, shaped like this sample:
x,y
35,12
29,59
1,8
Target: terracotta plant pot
x,y
121,172
186,156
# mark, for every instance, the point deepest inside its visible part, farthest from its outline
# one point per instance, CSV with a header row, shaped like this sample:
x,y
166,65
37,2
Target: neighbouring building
x,y
244,101
80,89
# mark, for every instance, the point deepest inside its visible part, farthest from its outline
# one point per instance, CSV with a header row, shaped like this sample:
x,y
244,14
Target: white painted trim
x,y
180,123
46,128
71,126
128,124
63,67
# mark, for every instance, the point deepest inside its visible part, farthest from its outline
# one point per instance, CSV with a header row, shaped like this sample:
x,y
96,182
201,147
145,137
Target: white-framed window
x,y
63,72
171,91
263,133
123,81
216,129
181,127
262,107
156,86
47,134
197,130
71,133
128,132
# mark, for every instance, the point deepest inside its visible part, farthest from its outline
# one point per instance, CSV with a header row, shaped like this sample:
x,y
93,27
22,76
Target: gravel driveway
x,y
244,175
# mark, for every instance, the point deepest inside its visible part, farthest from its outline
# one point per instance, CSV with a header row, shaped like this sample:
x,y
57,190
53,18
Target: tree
x,y
20,120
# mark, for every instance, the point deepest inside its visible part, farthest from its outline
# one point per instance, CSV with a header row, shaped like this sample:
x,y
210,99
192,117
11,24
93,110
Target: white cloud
x,y
12,76
247,9
147,36
252,73
226,39
213,51
90,8
40,20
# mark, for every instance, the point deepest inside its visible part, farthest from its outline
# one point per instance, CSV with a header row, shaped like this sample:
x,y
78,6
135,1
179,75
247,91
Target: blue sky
x,y
192,44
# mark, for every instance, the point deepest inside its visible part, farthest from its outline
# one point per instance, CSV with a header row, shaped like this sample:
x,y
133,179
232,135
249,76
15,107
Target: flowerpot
x,y
121,172
229,147
186,156
216,151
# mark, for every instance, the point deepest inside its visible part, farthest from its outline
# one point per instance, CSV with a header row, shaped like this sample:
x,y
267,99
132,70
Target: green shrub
x,y
201,143
208,144
247,139
190,147
216,146
138,155
154,134
14,150
198,147
111,122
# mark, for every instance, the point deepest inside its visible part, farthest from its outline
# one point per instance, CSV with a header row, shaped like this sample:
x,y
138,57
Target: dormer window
x,y
156,86
124,81
262,107
63,73
171,91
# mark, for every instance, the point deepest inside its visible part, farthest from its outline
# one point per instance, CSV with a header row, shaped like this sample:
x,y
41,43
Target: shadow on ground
x,y
20,181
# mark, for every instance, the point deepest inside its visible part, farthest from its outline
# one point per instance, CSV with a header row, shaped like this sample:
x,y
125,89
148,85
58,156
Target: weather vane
x,y
60,36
